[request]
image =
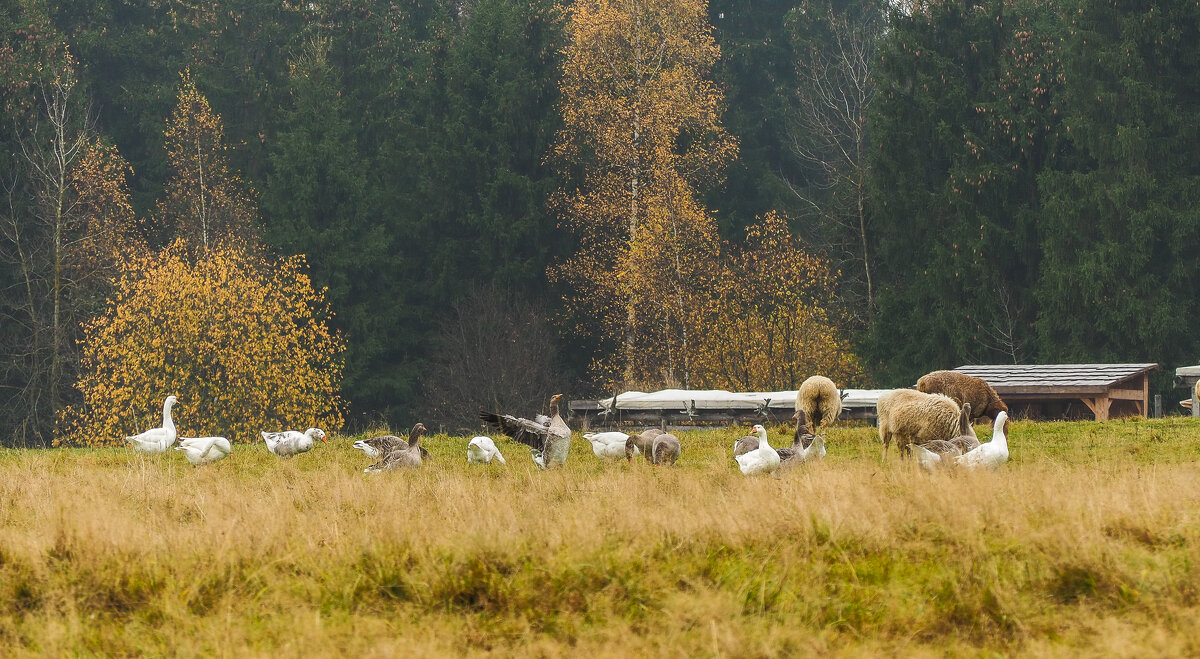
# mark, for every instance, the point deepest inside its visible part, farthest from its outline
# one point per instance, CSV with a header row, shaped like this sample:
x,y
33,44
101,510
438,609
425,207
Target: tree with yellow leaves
x,y
203,201
642,134
772,319
242,341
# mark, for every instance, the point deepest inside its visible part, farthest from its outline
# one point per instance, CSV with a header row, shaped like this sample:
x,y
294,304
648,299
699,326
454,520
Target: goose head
x,y
1000,427
170,402
761,431
317,433
630,447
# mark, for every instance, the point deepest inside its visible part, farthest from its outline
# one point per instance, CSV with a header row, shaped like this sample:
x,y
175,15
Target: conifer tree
x,y
1122,225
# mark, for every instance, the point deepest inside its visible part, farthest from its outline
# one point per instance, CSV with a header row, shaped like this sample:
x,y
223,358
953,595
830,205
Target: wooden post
x,y
1158,406
1099,406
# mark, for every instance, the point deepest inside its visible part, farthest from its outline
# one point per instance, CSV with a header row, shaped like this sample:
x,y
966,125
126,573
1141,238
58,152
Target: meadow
x,y
1087,543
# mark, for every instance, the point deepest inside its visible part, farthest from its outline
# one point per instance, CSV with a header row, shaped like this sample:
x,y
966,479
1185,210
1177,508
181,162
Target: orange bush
x,y
242,341
772,317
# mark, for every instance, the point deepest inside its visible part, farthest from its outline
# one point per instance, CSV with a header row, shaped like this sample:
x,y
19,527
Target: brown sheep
x,y
818,398
964,388
913,417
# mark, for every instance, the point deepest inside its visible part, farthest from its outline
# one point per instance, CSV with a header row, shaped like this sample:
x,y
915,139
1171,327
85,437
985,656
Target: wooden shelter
x,y
1108,390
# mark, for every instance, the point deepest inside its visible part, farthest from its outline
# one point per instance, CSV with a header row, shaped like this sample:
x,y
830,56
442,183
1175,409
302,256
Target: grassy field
x,y
1086,544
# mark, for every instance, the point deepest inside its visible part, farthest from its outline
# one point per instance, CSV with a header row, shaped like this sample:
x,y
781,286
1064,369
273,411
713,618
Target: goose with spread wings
x,y
548,438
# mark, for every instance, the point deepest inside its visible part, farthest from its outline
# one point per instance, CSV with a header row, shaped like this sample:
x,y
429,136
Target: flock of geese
x,y
549,439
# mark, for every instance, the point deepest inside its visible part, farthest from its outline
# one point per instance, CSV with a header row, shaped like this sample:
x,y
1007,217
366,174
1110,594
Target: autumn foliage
x,y
772,318
203,200
641,132
241,340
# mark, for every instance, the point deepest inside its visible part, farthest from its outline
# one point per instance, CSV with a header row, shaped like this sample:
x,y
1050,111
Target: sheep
x,y
914,417
964,388
818,398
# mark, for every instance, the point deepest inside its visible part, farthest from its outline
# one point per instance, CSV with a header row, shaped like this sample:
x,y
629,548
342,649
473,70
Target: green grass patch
x,y
1086,542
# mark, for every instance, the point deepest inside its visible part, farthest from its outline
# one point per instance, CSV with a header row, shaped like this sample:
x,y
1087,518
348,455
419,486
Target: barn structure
x,y
1070,390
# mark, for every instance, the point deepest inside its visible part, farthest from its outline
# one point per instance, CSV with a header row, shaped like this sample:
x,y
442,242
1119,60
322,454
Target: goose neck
x,y
167,421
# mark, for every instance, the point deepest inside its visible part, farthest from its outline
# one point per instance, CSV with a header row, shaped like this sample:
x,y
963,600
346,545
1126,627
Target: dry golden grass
x,y
1086,543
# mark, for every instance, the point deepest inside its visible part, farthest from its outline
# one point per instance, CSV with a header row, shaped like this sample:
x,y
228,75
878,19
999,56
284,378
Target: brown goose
x,y
380,446
407,454
643,442
548,438
936,453
745,444
805,445
665,450
966,439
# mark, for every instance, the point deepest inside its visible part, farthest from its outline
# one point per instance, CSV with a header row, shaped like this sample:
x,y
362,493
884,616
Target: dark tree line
x,y
1035,185
1008,181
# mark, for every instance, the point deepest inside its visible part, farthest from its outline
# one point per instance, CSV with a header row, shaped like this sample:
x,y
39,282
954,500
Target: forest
x,y
369,213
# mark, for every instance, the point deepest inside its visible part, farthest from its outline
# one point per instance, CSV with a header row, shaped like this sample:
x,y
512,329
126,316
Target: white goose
x,y
934,454
157,440
992,453
482,450
290,442
609,444
762,460
202,450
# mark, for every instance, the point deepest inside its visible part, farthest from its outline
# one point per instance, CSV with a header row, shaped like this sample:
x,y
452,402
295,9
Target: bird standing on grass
x,y
548,438
157,440
762,460
482,450
609,444
381,445
203,450
290,442
407,454
992,453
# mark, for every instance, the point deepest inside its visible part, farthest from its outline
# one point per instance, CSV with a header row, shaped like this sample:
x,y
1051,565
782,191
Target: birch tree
x,y
203,202
65,230
641,137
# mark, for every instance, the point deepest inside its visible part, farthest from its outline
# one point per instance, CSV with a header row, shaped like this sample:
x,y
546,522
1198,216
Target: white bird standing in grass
x,y
290,442
202,450
992,453
482,450
609,444
937,453
157,440
762,460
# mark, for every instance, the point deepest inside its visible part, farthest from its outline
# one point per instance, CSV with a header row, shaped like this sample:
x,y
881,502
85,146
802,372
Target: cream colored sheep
x,y
913,417
818,398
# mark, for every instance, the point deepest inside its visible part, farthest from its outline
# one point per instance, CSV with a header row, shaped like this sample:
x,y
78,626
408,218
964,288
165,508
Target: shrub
x,y
240,339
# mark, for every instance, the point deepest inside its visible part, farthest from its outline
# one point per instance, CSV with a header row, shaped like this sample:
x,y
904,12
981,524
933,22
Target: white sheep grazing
x,y
818,398
912,417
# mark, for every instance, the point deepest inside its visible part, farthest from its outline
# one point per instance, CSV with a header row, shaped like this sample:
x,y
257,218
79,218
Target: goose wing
x,y
744,445
379,446
525,431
